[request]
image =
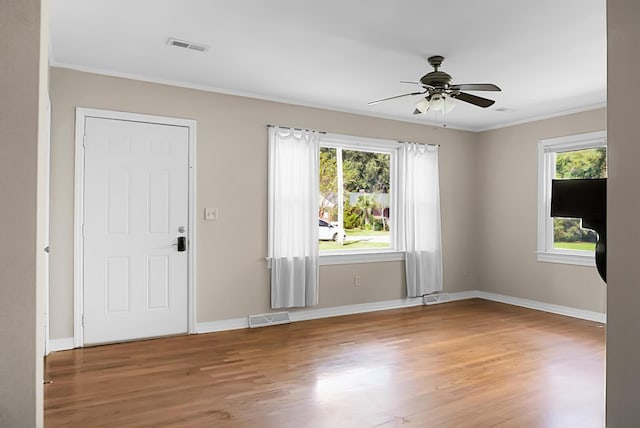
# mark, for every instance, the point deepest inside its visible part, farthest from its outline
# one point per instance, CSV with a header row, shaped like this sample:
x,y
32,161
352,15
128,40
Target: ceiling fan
x,y
440,93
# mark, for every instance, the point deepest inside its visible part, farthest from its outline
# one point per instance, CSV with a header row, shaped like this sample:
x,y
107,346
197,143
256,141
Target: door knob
x,y
182,243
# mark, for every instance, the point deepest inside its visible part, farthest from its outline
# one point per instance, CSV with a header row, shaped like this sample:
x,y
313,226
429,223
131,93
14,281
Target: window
x,y
563,240
373,200
356,197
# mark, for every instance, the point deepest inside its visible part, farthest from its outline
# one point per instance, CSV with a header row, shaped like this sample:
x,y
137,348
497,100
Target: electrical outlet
x,y
356,281
211,214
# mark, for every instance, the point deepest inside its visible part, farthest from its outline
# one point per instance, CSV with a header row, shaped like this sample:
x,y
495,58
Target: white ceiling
x,y
548,56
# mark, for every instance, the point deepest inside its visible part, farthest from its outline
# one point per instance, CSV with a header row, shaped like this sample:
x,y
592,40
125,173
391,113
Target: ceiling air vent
x,y
187,45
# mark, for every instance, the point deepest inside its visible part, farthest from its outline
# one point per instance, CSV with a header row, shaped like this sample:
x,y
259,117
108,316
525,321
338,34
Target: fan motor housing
x,y
436,79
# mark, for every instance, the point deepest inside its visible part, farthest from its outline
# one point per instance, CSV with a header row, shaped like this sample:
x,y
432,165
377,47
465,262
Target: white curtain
x,y
419,218
293,217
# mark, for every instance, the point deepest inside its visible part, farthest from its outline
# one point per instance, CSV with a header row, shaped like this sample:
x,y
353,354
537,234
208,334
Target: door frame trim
x,y
78,212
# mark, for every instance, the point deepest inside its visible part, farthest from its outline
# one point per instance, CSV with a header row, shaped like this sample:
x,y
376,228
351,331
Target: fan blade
x,y
475,87
473,99
427,87
397,96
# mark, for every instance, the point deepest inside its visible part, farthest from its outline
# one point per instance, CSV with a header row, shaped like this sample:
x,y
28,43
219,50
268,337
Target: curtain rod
x,y
295,129
353,136
413,142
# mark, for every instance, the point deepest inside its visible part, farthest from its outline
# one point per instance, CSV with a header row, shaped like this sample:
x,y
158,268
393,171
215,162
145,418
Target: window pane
x,y
587,163
328,185
366,200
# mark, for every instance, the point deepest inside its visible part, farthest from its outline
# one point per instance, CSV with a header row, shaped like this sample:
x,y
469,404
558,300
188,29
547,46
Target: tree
x,y
587,163
366,203
352,215
328,181
366,171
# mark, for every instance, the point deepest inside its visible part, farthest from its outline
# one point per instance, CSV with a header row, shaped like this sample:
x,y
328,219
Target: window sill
x,y
569,257
347,258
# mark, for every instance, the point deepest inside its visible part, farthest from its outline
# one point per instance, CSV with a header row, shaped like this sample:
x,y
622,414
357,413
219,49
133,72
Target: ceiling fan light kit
x,y
448,105
422,106
435,102
440,93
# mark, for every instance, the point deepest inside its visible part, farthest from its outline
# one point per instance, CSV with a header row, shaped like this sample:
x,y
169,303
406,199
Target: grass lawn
x,y
358,232
351,245
589,246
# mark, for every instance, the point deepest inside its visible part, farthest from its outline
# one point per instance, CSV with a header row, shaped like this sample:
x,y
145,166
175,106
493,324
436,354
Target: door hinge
x,y
83,230
82,320
84,141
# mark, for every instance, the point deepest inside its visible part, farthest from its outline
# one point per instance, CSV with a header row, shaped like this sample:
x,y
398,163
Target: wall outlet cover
x,y
211,214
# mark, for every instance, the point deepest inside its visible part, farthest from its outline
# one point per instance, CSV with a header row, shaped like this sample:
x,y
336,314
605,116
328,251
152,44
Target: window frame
x,y
375,145
546,172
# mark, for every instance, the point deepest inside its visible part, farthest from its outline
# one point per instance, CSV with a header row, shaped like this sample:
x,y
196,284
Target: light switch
x,y
211,214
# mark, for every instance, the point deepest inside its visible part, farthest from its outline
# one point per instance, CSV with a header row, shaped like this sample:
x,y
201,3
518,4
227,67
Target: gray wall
x,y
232,277
507,213
488,185
23,69
623,267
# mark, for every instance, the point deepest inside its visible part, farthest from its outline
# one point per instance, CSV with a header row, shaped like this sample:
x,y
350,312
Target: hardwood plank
x,y
472,363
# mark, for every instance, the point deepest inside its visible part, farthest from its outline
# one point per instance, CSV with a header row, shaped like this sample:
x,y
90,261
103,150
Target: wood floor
x,y
463,364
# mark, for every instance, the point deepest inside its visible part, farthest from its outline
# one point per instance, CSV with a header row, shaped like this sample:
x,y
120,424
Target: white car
x,y
329,232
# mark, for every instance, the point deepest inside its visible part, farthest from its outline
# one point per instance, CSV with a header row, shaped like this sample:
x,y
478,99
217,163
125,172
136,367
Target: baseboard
x,y
335,311
222,325
460,295
311,314
545,307
63,344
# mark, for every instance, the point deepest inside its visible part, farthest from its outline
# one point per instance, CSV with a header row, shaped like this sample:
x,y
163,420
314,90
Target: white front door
x,y
136,210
